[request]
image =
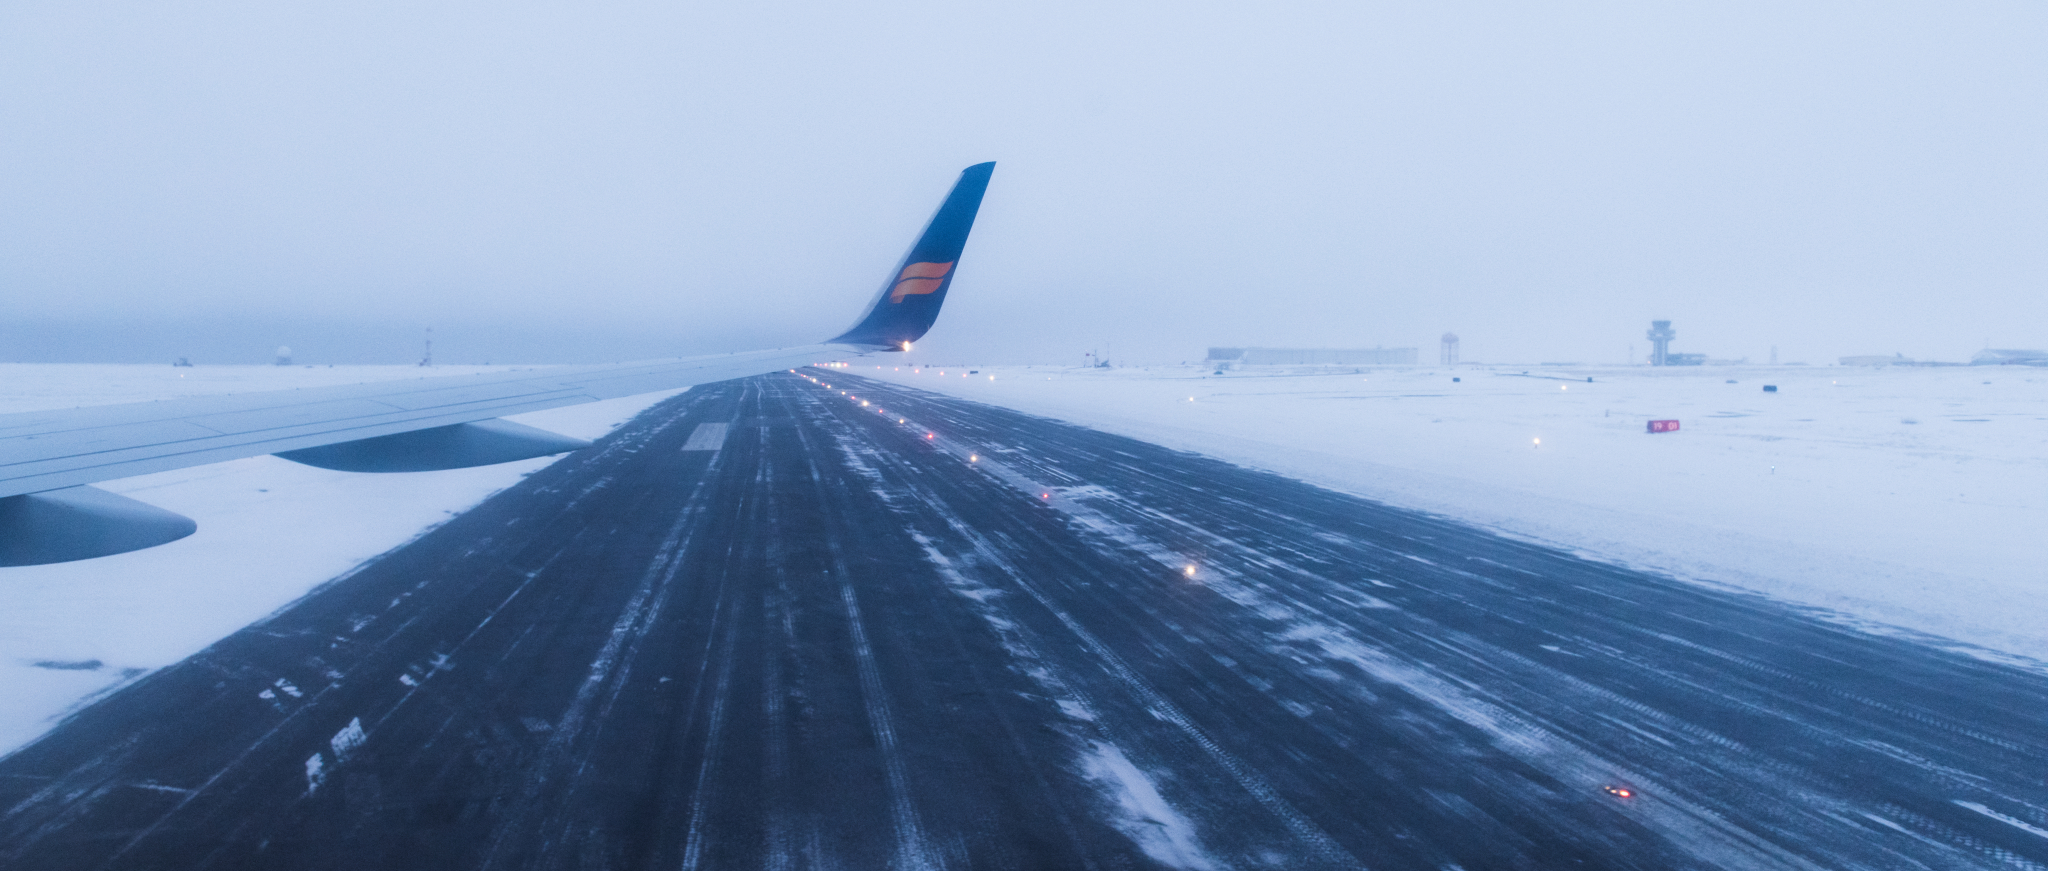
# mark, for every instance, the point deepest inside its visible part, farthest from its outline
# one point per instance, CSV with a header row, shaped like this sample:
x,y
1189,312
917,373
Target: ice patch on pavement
x,y
1151,823
2014,822
345,742
1144,815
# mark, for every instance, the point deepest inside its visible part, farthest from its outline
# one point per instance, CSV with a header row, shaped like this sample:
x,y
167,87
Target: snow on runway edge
x,y
1898,499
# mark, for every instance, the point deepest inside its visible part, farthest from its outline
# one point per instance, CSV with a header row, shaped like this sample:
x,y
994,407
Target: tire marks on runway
x,y
1721,706
837,643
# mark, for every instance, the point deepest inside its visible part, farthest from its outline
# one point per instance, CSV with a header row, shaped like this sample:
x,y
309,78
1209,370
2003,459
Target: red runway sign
x,y
1663,426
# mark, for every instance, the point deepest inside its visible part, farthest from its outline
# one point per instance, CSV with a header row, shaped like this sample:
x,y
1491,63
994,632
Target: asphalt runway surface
x,y
771,624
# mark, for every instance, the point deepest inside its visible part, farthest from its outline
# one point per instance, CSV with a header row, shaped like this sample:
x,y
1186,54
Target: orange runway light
x,y
1620,791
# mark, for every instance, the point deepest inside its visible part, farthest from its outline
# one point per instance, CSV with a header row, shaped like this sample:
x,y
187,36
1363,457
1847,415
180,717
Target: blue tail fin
x,y
910,300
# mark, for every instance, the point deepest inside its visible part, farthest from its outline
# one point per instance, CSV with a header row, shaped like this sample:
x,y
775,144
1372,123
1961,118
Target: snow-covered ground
x,y
1913,498
269,531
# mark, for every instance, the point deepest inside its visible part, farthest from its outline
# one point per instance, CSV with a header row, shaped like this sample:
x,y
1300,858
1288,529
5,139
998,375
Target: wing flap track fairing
x,y
75,523
457,446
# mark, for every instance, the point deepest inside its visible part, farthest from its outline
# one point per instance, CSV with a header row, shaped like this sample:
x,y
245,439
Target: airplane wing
x,y
47,459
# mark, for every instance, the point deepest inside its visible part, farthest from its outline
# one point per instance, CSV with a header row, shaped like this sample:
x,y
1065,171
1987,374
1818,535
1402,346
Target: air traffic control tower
x,y
1661,335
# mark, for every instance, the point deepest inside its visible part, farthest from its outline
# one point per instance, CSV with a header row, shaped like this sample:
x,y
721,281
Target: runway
x,y
775,624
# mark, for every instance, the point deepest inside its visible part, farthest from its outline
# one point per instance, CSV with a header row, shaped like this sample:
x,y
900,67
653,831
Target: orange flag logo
x,y
919,278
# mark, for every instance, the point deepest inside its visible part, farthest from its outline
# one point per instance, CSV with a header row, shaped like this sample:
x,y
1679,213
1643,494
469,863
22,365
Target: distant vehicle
x,y
48,514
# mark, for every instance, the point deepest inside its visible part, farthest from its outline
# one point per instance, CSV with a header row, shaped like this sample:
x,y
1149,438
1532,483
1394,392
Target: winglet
x,y
910,300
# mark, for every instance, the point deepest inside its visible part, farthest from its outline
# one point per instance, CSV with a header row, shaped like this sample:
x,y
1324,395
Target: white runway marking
x,y
707,437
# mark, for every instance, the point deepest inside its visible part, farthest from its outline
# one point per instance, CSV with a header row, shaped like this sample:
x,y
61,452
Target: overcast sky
x,y
590,181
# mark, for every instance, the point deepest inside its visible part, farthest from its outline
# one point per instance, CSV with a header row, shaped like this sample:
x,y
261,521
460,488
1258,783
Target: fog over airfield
x,y
557,183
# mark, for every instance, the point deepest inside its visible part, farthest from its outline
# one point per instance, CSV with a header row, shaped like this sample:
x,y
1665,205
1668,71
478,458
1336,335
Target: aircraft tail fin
x,y
910,300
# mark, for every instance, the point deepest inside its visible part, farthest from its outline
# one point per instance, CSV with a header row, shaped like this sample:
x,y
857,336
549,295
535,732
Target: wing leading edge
x,y
47,459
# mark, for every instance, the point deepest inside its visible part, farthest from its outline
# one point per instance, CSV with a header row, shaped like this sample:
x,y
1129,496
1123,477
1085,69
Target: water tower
x,y
1449,354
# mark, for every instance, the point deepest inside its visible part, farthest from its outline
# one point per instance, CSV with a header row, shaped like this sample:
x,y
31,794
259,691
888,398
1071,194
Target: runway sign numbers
x,y
1663,426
